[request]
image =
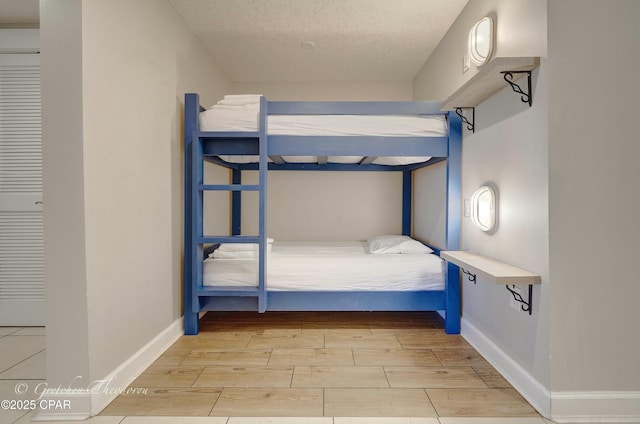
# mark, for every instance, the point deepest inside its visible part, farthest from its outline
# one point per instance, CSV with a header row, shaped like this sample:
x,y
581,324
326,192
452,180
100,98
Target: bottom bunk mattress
x,y
330,266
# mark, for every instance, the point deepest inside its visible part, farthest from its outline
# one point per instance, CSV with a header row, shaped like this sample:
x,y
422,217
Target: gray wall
x,y
509,151
114,77
566,175
63,191
520,30
594,195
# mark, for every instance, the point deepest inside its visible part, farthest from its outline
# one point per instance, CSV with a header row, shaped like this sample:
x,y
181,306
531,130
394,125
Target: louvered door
x,y
21,229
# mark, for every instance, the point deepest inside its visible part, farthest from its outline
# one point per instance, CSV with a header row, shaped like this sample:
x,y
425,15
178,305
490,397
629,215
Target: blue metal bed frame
x,y
201,146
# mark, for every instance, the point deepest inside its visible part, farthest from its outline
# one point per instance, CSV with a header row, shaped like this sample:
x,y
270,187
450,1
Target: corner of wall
x,y
527,385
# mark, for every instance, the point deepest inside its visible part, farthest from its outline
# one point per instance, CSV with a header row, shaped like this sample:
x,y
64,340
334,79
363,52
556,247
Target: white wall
x,y
63,192
138,60
594,196
114,77
520,29
327,206
508,150
429,204
568,202
329,91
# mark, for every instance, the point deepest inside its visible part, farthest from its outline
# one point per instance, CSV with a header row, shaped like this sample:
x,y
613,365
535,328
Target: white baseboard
x,y
533,391
130,369
595,407
561,407
63,406
104,391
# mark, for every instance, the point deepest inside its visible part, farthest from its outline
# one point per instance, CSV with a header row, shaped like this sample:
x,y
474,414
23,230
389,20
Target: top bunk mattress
x,y
246,120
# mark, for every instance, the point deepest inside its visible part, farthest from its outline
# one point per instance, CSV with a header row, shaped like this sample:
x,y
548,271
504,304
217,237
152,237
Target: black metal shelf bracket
x,y
470,276
526,305
471,125
508,77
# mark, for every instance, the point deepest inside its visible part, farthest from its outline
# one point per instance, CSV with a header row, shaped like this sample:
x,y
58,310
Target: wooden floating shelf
x,y
491,269
488,81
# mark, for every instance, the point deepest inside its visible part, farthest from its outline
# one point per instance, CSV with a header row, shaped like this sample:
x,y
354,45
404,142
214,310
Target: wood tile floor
x,y
314,364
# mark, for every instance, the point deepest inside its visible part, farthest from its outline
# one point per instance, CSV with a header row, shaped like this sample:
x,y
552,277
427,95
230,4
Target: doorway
x,y
21,223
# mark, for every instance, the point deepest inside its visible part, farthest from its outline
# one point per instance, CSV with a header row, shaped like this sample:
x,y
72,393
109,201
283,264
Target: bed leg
x,y
262,303
452,323
452,300
191,323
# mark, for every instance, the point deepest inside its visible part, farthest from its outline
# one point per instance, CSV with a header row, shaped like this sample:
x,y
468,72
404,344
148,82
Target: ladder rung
x,y
228,239
227,134
228,291
229,187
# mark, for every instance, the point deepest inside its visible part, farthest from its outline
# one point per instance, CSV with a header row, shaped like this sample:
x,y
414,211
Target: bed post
x,y
236,202
262,206
453,217
407,191
191,109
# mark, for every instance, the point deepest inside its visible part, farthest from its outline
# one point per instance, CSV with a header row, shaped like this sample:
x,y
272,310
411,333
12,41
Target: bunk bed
x,y
262,144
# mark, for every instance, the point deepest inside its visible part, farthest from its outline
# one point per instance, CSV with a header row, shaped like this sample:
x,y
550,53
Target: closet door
x,y
21,229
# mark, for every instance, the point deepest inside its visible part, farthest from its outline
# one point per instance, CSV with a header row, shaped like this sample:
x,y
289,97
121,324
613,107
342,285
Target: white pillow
x,y
393,244
241,247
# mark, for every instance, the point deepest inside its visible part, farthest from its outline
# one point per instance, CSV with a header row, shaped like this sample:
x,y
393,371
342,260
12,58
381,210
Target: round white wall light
x,y
483,208
480,42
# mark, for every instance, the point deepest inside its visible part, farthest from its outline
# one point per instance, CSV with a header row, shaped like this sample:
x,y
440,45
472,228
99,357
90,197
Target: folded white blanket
x,y
242,96
238,254
240,102
240,99
252,106
235,255
240,247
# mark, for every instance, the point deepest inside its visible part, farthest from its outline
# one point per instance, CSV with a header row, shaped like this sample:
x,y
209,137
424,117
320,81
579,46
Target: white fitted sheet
x,y
330,266
348,125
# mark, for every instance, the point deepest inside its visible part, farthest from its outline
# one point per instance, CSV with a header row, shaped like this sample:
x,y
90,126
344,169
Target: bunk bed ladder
x,y
195,293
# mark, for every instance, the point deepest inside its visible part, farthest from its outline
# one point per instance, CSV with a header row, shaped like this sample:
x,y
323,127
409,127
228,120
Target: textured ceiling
x,y
363,40
262,40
